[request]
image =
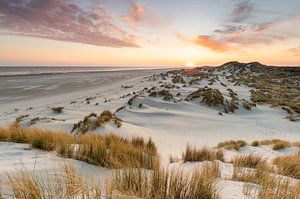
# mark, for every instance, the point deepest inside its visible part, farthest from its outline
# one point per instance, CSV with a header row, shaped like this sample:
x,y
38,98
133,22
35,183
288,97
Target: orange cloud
x,y
136,13
211,43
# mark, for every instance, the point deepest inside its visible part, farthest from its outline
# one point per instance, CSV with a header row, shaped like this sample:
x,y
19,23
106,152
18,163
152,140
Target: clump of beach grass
x,y
232,144
168,184
250,161
193,154
109,151
288,165
58,109
67,183
93,121
281,145
277,144
278,188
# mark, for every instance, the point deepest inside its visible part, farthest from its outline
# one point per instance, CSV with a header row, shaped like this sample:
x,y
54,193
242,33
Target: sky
x,y
149,32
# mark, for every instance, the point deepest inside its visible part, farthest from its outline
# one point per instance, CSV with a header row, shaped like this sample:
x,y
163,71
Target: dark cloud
x,y
62,20
242,11
230,29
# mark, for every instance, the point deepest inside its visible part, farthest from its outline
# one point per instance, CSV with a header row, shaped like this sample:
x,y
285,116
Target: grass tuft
x,y
109,151
193,154
250,161
232,144
288,165
166,183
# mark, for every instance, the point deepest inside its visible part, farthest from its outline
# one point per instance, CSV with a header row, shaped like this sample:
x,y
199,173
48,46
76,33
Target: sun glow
x,y
190,64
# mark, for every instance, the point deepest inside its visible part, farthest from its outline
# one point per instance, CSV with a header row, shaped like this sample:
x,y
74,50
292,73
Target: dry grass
x,y
232,144
114,152
278,188
261,185
210,96
46,140
193,154
250,161
289,165
57,109
255,143
249,175
108,151
277,144
93,121
281,145
66,184
167,184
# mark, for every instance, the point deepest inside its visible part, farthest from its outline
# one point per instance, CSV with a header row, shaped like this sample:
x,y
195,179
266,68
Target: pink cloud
x,y
62,20
135,14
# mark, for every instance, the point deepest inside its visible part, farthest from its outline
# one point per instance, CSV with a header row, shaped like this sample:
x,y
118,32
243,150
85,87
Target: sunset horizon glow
x,y
148,33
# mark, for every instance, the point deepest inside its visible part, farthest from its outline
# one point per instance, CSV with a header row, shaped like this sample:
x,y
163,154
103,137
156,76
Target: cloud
x,y
295,51
231,29
235,37
242,11
136,13
64,21
211,42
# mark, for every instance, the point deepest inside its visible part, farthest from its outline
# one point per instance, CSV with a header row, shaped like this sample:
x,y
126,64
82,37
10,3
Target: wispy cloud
x,y
62,20
295,51
242,11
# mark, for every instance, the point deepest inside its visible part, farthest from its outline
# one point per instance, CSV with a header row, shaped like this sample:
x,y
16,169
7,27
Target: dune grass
x,y
167,184
250,161
46,140
67,183
277,144
261,185
93,121
288,165
109,151
232,144
278,188
249,175
281,145
193,154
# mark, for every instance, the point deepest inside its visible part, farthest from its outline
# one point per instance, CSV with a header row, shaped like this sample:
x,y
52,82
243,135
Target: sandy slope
x,y
171,124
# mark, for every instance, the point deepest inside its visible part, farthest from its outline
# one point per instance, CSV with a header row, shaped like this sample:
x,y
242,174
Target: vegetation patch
x,y
161,183
93,121
210,96
67,183
250,161
232,144
58,109
109,151
288,165
192,154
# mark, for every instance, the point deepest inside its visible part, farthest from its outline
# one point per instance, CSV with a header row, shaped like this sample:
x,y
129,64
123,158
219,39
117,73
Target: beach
x,y
171,124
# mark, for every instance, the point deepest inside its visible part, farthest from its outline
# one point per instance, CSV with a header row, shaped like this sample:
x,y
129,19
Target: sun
x,y
190,64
